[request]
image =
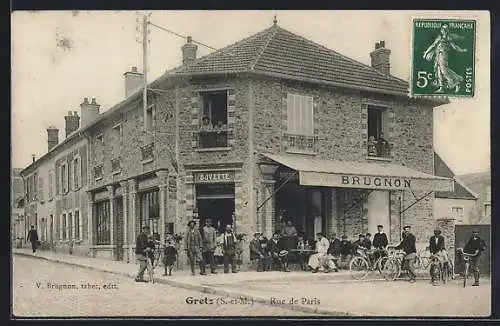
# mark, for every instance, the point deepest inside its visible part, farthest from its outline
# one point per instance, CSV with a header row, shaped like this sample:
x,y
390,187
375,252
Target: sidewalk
x,y
257,286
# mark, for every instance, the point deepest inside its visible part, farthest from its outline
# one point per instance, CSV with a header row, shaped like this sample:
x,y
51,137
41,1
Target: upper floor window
x,y
214,117
457,213
64,184
40,189
77,172
149,119
51,185
300,124
378,144
118,129
487,210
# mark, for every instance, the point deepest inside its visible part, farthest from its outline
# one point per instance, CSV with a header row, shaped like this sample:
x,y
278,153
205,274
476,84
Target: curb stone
x,y
203,289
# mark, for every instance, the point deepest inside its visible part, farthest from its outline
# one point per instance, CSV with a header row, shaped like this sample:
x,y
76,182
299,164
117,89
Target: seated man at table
x,y
321,259
279,256
256,254
334,248
346,250
302,254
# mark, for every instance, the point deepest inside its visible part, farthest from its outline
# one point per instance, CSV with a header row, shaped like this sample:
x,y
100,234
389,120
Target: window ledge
x,y
299,151
149,160
99,178
377,158
213,149
116,172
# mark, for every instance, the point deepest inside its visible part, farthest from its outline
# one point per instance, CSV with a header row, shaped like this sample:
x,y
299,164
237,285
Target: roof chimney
x,y
134,80
72,122
189,52
89,111
33,158
52,137
380,58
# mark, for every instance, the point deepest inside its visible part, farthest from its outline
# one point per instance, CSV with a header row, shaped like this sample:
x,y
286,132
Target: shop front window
x,y
102,216
150,211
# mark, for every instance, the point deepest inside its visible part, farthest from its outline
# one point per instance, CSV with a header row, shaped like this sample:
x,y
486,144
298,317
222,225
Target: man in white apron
x,y
321,259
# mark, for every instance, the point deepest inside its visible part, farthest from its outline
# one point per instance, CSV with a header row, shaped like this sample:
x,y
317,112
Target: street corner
x,y
443,58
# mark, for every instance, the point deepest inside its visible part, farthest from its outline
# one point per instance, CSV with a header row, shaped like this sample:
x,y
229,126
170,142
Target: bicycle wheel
x,y
151,271
466,273
391,269
380,263
435,271
359,268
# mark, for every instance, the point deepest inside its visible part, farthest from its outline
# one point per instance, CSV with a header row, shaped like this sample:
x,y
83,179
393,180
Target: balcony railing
x,y
212,137
301,143
147,152
98,172
116,165
379,148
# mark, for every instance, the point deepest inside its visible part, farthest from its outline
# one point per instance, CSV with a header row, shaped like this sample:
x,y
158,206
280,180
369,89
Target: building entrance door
x,y
118,209
220,210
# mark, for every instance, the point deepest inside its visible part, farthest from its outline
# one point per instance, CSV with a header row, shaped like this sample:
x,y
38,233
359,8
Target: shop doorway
x,y
220,210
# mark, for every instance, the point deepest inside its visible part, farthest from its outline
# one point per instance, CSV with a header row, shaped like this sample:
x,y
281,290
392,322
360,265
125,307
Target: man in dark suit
x,y
475,245
194,247
229,243
209,244
408,246
33,238
436,242
141,251
256,253
380,242
279,255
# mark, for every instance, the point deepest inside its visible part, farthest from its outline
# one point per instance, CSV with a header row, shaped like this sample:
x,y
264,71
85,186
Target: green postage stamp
x,y
443,52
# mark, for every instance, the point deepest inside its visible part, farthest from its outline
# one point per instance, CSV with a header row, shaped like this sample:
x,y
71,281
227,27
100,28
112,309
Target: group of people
x,y
273,254
202,247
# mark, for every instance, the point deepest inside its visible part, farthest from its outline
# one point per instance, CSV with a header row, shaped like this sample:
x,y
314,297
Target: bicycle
x,y
441,267
466,258
152,263
361,264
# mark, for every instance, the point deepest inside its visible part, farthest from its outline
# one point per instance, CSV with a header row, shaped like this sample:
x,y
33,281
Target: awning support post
x,y
414,203
276,190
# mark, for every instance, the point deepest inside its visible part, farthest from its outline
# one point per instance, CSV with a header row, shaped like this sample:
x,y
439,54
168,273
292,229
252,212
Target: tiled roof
x,y
276,51
460,190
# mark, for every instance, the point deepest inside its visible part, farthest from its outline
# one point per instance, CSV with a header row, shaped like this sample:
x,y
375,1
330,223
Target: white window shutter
x,y
298,115
385,123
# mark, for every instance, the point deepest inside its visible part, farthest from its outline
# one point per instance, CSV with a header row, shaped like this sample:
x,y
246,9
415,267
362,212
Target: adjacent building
x,y
480,183
18,228
274,127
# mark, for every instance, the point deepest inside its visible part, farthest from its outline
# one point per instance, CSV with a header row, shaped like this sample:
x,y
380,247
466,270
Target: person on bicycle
x,y
380,242
475,245
437,248
141,251
408,246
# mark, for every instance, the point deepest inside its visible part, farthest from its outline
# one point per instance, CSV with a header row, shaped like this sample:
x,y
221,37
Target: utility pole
x,y
145,70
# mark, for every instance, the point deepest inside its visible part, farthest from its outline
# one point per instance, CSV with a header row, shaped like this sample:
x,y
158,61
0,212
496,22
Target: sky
x,y
58,58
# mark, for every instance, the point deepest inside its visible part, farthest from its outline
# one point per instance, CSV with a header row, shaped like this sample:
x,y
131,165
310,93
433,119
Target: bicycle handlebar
x,y
461,250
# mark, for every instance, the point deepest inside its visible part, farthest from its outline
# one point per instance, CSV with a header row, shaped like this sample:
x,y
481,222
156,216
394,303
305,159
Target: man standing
x,y
209,244
408,246
346,250
335,244
194,248
229,249
475,245
256,253
141,252
380,242
436,242
33,238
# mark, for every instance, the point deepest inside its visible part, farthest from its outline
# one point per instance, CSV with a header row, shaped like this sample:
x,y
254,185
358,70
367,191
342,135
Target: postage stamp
x,y
443,52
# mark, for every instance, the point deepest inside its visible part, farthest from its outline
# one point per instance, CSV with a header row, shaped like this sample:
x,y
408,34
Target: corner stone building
x,y
274,127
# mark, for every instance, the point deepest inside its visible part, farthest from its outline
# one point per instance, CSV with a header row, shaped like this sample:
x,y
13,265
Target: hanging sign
x,y
214,177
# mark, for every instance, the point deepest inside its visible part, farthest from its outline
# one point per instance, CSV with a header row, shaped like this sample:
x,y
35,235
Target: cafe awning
x,y
367,175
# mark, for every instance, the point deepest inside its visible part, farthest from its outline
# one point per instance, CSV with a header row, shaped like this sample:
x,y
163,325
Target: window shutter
x,y
297,114
289,113
80,176
385,123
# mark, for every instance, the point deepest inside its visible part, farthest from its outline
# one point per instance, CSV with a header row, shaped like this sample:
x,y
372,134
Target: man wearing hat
x,y
209,244
408,246
229,249
256,253
141,251
194,248
475,245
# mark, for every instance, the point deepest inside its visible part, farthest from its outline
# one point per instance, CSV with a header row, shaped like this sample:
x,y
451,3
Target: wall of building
x,y
341,128
443,209
75,199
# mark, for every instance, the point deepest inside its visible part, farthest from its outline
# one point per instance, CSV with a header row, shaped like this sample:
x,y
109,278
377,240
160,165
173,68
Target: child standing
x,y
169,254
